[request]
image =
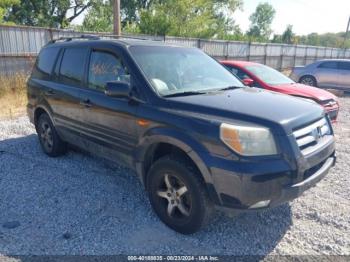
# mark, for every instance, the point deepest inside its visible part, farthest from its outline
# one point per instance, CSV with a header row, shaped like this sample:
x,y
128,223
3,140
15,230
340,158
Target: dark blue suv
x,y
196,137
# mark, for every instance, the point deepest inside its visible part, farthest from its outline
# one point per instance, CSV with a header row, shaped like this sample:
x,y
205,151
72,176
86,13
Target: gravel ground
x,y
78,204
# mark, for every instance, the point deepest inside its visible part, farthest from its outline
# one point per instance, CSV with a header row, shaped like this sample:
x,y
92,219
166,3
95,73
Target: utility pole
x,y
116,18
346,33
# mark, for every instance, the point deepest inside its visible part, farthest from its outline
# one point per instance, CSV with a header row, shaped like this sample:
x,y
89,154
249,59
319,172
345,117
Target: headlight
x,y
248,140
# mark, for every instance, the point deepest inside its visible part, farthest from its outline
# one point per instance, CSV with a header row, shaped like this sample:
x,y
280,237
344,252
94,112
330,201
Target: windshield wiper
x,y
186,93
229,88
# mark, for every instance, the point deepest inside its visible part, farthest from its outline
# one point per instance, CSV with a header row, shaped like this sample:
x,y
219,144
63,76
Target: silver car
x,y
331,73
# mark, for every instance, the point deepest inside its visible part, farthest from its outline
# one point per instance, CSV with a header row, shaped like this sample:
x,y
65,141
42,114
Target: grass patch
x,y
13,95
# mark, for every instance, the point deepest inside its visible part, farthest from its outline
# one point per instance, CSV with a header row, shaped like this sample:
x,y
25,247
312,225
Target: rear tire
x,y
178,196
308,80
49,140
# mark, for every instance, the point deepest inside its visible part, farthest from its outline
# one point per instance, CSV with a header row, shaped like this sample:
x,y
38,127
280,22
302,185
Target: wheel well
x,y
307,76
159,150
38,112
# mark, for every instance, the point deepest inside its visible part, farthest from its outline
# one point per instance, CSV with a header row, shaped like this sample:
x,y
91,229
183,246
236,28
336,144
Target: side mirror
x,y
118,89
248,81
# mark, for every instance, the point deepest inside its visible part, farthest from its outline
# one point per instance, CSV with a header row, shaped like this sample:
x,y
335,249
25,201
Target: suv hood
x,y
251,105
297,89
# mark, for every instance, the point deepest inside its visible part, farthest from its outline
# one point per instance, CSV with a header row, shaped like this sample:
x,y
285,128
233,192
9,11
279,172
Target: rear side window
x,y
72,66
105,67
344,65
329,65
45,62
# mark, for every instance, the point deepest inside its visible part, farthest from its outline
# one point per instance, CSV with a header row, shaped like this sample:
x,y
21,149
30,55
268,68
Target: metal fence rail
x,y
19,45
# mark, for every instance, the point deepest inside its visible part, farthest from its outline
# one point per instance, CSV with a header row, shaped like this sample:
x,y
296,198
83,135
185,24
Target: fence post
x,y
295,55
281,59
305,57
199,43
50,34
248,54
317,52
265,51
226,51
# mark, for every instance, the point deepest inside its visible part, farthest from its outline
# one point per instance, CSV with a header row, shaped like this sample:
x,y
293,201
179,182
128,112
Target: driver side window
x,y
105,67
239,73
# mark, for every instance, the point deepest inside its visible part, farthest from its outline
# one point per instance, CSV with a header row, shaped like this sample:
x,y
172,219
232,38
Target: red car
x,y
261,76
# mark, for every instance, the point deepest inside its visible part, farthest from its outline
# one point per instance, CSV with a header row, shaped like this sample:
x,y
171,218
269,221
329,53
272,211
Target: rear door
x,y
327,74
65,92
344,75
109,123
40,81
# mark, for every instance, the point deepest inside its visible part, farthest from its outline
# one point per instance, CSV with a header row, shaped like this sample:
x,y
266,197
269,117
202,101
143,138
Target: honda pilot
x,y
195,136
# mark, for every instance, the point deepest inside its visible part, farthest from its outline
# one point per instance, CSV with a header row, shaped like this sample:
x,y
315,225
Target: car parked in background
x,y
261,76
331,73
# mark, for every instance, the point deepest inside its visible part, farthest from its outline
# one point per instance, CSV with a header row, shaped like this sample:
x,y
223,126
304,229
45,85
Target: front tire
x,y
178,196
308,80
49,140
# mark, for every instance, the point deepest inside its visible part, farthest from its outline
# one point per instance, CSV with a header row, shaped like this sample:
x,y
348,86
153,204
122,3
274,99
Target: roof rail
x,y
131,37
71,38
100,36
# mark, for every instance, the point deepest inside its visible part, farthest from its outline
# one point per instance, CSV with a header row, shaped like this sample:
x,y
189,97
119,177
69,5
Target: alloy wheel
x,y
308,81
46,135
177,198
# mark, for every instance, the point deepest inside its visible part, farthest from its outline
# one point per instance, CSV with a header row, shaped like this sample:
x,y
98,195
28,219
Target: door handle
x,y
85,103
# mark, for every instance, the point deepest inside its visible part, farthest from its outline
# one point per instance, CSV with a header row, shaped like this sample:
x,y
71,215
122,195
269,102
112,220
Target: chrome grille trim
x,y
313,136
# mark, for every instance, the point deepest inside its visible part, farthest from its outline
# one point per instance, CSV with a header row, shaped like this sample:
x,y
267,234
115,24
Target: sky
x,y
306,16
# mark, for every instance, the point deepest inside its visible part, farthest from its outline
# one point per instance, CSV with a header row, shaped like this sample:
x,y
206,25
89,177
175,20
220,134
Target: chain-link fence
x,y
19,46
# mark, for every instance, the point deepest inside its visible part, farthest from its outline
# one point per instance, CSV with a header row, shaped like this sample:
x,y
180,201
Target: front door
x,y
327,74
110,123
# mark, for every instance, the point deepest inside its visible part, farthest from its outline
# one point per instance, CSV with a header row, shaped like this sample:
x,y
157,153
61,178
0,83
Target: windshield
x,y
269,75
176,70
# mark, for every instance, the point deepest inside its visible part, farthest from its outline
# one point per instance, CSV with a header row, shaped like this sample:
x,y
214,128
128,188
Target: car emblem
x,y
317,134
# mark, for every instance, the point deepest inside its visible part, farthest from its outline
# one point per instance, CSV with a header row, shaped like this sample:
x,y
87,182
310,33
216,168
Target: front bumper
x,y
293,191
244,185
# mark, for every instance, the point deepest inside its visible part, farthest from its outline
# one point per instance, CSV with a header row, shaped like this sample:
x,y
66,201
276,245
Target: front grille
x,y
313,136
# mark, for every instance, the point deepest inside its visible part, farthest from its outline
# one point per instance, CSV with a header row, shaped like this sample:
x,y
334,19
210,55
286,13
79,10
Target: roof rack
x,y
71,38
99,37
132,37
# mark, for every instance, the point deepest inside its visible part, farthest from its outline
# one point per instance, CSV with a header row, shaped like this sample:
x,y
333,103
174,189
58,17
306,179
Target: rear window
x,y
45,62
72,66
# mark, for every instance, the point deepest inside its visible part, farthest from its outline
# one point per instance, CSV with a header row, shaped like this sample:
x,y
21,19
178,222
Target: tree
x,y
288,35
51,13
197,18
5,6
130,9
99,18
100,15
189,18
261,20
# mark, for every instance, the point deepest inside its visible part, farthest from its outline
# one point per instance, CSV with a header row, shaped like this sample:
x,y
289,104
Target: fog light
x,y
261,204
